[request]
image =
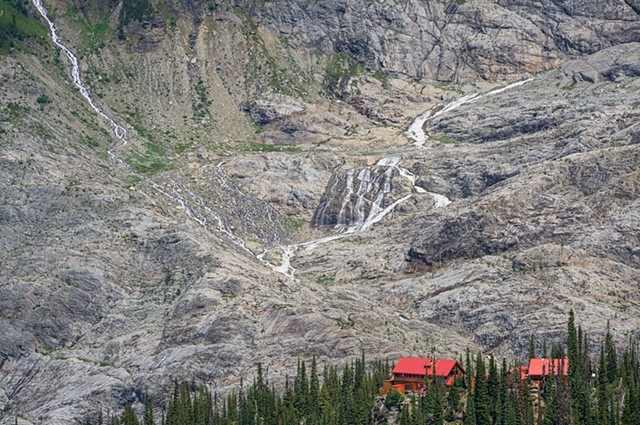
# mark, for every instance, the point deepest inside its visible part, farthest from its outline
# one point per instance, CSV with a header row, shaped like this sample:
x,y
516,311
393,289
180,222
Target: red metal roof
x,y
542,367
412,366
418,366
444,367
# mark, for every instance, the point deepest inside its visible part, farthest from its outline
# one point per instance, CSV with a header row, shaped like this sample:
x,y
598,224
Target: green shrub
x,y
393,399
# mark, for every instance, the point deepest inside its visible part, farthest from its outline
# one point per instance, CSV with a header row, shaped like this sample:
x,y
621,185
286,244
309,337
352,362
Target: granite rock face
x,y
452,41
197,256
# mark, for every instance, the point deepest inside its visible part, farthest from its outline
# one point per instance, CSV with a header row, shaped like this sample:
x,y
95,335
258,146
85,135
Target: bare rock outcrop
x,y
453,41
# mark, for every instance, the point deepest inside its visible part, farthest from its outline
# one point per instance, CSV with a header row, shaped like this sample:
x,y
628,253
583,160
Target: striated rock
x,y
450,41
117,278
265,111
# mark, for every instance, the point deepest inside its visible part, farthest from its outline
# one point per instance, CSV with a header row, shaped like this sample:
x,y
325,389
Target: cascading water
x,y
355,198
119,131
192,205
357,209
416,131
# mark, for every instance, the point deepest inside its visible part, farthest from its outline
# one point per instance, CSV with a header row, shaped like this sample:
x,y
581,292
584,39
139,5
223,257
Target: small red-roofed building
x,y
540,369
412,373
524,372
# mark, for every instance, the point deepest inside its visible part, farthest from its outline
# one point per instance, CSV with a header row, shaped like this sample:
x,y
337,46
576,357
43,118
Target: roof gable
x,y
420,366
542,367
412,366
444,367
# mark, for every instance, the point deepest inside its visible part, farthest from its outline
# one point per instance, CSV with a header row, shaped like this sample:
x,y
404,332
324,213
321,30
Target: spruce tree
x,y
470,411
129,416
469,369
502,417
148,411
314,392
481,394
493,388
602,393
532,348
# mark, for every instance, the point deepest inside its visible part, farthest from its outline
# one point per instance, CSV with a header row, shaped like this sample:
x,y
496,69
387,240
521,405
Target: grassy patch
x,y
294,222
202,100
16,25
132,180
181,147
154,148
93,35
147,163
91,142
443,138
339,71
380,76
325,280
16,110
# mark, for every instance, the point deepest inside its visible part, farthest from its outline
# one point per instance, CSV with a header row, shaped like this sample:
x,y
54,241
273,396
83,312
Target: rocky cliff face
x,y
209,243
454,40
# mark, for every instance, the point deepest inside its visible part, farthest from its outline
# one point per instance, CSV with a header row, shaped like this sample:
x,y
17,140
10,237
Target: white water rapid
x,y
376,179
416,131
209,217
358,221
119,131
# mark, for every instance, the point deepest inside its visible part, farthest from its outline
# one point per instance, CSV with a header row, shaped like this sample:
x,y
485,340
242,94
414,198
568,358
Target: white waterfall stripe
x,y
359,223
119,131
441,200
416,131
346,200
383,213
121,135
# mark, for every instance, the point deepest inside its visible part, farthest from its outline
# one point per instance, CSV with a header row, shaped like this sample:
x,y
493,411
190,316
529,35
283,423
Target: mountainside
x,y
306,177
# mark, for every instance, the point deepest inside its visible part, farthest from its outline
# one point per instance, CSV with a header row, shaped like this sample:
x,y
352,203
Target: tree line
x,y
604,392
330,397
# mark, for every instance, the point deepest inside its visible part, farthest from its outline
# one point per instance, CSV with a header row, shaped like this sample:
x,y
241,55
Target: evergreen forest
x,y
604,390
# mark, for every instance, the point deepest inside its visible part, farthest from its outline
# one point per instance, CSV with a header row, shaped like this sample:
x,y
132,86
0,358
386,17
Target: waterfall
x,y
119,131
354,198
358,198
416,131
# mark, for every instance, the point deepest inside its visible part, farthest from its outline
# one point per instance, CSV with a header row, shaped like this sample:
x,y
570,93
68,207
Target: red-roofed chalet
x,y
541,368
411,374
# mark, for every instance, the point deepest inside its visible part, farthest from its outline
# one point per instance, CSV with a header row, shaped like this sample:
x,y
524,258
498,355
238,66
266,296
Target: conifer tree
x,y
453,398
469,369
301,389
502,414
602,393
481,393
313,402
129,416
526,407
470,411
148,411
493,388
532,348
551,414
435,400
611,358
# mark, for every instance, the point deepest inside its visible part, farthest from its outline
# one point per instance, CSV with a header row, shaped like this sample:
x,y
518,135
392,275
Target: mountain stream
x,y
360,207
